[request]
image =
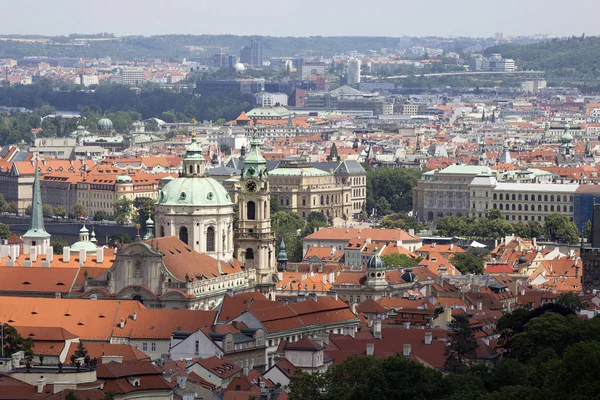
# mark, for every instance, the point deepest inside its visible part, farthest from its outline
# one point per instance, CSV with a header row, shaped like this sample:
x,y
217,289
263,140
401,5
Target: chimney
x,y
534,241
122,323
66,254
41,383
377,329
406,349
50,254
33,253
451,246
370,349
134,316
100,255
335,296
82,256
428,337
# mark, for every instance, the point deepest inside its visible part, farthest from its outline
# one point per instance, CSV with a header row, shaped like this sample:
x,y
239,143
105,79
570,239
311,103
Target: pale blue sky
x,y
302,18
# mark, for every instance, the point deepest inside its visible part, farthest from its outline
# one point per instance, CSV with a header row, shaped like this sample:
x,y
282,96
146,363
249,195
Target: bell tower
x,y
254,239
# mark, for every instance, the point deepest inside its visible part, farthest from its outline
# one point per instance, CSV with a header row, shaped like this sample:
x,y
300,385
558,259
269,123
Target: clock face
x,y
251,186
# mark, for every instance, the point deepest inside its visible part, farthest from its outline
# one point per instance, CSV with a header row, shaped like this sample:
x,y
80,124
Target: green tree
x,y
28,209
80,352
274,204
47,210
560,229
78,210
571,301
463,345
288,226
144,208
14,342
123,208
394,185
587,231
120,237
470,261
12,207
3,203
58,244
225,148
102,215
400,260
60,211
5,231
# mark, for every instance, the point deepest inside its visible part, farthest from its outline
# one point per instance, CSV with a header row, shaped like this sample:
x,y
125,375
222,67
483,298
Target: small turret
x,y
282,257
149,228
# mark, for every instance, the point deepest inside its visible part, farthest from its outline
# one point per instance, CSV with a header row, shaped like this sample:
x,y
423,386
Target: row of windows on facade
x,y
333,199
525,207
526,197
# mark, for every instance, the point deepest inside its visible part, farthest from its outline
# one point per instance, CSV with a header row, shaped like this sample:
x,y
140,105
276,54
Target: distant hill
x,y
576,57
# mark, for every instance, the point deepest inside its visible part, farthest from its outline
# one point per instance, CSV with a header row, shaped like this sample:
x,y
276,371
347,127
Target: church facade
x,y
189,262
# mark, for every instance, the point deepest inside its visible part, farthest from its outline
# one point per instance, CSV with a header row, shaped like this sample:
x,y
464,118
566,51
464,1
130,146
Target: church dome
x,y
105,124
566,138
84,242
375,262
194,191
409,276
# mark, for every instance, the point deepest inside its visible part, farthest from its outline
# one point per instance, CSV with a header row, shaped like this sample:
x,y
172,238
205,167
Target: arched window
x,y
508,206
520,198
138,298
564,208
520,208
539,207
162,231
327,199
513,197
430,216
495,197
495,205
501,196
322,200
565,198
210,239
545,197
571,199
249,254
251,210
526,207
539,197
513,207
183,234
552,208
558,198
191,169
571,208
546,206
551,197
501,206
526,197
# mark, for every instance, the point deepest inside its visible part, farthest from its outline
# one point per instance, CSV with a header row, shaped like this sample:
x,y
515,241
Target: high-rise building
x,y
252,54
132,76
354,72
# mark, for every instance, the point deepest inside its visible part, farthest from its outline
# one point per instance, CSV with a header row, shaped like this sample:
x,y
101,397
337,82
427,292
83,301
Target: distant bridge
x,y
455,74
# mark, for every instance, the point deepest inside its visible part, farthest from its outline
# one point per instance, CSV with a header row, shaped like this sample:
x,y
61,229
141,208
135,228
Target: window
x,y
513,207
153,346
251,210
501,206
210,239
564,208
539,197
249,254
495,197
183,234
552,207
546,206
501,196
144,346
197,347
539,207
513,197
526,207
520,197
494,206
551,197
520,208
571,208
545,197
526,197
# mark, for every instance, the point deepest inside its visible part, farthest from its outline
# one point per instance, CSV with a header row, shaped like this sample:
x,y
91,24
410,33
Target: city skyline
x,y
326,18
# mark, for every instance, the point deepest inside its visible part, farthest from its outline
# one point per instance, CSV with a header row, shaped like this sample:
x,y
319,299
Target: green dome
x,y
105,124
194,191
375,261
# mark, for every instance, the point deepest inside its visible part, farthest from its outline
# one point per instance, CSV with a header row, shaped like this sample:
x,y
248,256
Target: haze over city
x,y
307,18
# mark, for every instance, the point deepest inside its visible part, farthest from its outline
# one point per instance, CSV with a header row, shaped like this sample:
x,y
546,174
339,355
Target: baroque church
x,y
195,258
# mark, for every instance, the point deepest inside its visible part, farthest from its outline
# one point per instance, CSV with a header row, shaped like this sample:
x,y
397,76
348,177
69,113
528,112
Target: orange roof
x,y
97,350
352,233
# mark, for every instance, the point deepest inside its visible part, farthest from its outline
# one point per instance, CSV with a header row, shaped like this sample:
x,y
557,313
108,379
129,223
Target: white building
x,y
265,99
312,69
354,72
132,76
86,80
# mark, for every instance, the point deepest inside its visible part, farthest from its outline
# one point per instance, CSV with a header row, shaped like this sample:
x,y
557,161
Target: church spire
x,y
255,165
36,235
282,257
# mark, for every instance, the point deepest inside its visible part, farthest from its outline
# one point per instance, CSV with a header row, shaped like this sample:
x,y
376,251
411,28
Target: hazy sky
x,y
302,18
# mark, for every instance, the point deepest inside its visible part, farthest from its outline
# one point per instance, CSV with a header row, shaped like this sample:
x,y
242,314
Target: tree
x,y
470,261
225,148
463,345
394,185
123,208
144,207
28,209
316,216
571,301
120,237
274,204
3,203
47,211
288,226
14,342
400,260
102,216
5,231
60,211
78,210
587,231
12,207
58,244
80,352
560,229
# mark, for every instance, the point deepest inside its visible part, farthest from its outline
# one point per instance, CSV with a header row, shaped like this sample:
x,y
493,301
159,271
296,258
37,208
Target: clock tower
x,y
254,244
